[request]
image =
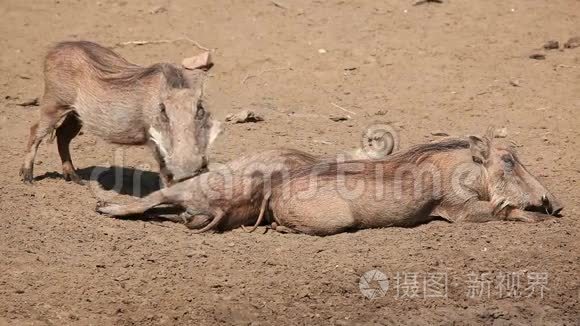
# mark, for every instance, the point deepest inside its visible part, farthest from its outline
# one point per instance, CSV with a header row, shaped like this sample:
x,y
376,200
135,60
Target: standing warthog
x,y
91,86
232,196
473,179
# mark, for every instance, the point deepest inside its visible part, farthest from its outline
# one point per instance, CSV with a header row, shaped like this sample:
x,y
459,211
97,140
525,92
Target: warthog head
x,y
509,184
182,131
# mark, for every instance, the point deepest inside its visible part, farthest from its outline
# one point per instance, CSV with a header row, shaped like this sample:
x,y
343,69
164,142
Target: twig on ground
x,y
31,102
144,42
343,109
325,142
422,2
199,46
278,4
248,76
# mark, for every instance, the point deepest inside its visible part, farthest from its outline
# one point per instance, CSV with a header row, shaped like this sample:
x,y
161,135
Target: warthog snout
x,y
189,170
182,133
540,198
547,204
553,206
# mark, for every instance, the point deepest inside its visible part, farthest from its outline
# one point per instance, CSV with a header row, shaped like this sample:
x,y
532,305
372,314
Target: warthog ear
x,y
195,78
490,134
479,149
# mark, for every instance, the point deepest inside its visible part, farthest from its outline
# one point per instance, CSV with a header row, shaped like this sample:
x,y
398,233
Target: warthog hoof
x,y
26,175
74,177
106,208
282,229
195,222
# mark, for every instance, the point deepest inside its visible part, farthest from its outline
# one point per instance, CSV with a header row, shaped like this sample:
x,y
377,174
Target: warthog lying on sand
x,y
233,195
91,86
474,179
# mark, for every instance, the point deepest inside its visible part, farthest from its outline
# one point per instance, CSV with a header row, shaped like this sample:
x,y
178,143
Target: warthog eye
x,y
200,111
163,112
508,161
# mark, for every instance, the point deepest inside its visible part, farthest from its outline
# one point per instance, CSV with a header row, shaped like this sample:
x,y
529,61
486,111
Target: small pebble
x,y
200,61
572,43
515,83
501,132
338,118
551,45
158,10
244,117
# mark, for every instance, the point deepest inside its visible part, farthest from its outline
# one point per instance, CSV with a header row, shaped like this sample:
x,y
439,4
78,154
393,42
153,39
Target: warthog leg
x,y
197,222
175,195
50,114
139,206
69,129
193,218
217,217
482,211
282,229
485,211
525,216
261,216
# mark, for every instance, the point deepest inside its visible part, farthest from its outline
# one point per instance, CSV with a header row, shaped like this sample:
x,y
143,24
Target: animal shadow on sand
x,y
123,180
126,181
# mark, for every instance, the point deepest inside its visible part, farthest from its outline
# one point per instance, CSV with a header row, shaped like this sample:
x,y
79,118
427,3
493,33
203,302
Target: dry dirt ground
x,y
454,67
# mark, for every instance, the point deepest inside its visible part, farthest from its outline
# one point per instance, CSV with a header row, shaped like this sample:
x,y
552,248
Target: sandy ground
x,y
455,67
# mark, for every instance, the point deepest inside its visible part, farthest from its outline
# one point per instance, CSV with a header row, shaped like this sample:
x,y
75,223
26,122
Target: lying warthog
x,y
91,86
232,195
473,179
